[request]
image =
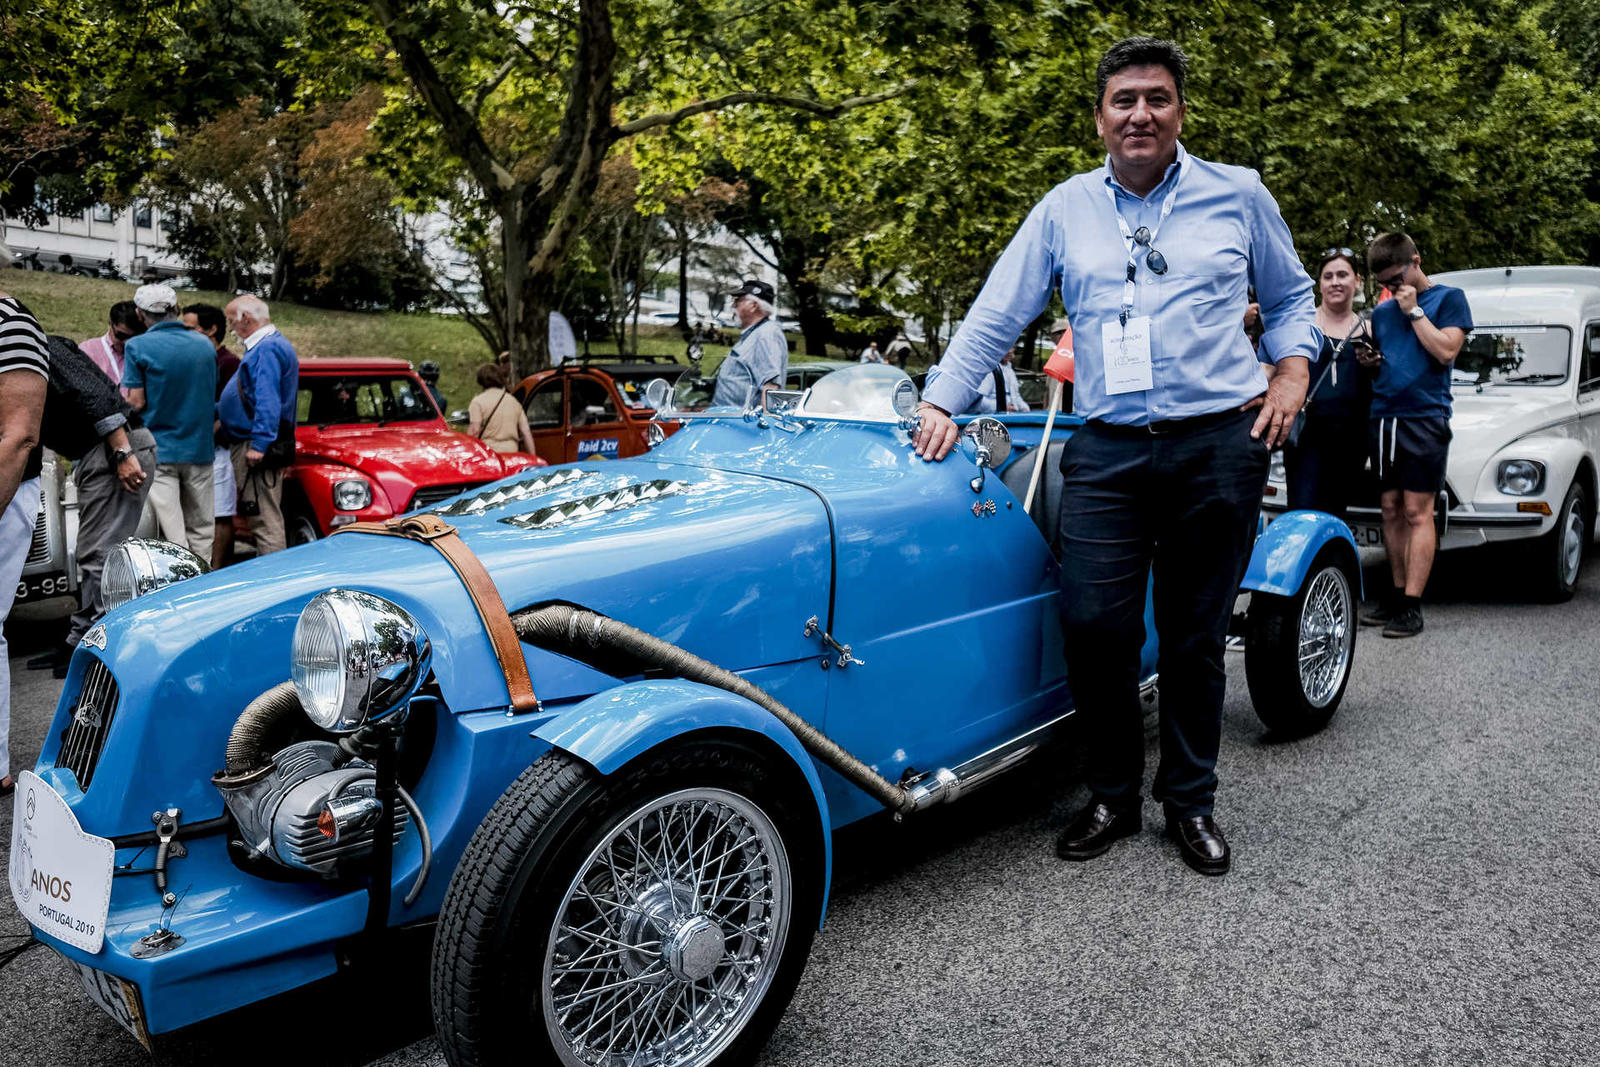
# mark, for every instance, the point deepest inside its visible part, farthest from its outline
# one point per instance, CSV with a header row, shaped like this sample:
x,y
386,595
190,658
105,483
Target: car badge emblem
x,y
96,637
982,508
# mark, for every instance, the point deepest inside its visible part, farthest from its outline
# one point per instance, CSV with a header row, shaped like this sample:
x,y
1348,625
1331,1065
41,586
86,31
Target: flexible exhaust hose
x,y
247,750
590,637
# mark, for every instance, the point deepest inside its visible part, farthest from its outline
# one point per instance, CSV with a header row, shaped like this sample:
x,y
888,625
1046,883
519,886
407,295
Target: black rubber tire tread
x,y
1271,657
551,805
478,889
1549,585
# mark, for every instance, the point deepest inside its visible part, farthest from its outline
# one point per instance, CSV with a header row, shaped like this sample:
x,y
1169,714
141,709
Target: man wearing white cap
x,y
171,378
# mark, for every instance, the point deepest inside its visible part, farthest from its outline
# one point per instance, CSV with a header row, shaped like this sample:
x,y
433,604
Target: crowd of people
x,y
168,431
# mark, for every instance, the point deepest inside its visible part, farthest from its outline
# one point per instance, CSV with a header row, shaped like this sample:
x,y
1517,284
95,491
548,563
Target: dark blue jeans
x,y
1182,506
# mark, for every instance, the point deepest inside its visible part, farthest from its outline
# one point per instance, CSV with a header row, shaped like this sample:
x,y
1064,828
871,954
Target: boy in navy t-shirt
x,y
1419,333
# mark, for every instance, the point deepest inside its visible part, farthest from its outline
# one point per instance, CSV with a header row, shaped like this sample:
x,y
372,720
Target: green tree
x,y
529,102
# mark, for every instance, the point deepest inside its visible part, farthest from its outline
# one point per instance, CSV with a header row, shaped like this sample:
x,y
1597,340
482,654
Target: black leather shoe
x,y
1092,831
1200,843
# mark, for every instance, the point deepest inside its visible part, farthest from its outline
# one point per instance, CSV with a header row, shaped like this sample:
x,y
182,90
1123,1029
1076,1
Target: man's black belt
x,y
1164,427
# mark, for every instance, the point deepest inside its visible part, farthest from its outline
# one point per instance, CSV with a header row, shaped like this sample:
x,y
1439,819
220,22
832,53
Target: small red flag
x,y
1059,366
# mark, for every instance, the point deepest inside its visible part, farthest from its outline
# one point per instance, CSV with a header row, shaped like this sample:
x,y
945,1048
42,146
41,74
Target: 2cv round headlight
x,y
356,658
140,565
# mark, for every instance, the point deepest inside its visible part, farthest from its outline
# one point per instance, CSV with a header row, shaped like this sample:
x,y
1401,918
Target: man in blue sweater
x,y
257,408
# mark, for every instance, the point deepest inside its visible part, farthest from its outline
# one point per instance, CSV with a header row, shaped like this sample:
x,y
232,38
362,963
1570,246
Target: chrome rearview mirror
x,y
904,398
782,401
991,446
658,394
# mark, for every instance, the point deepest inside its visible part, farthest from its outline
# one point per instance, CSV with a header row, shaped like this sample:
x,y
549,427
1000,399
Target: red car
x,y
580,412
371,443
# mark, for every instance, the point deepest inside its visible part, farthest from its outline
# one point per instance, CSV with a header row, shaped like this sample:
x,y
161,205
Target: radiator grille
x,y
85,735
429,495
39,549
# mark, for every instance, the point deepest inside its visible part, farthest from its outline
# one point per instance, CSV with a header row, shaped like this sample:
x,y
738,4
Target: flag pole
x,y
1044,444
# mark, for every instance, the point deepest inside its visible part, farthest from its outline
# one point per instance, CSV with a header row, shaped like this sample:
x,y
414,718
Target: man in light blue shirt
x,y
761,355
1153,254
170,373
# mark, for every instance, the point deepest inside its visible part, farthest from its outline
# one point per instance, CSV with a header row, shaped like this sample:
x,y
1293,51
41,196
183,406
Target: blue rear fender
x,y
1285,550
616,726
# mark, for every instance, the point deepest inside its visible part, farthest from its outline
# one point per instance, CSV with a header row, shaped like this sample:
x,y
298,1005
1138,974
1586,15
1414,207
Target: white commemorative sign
x,y
60,876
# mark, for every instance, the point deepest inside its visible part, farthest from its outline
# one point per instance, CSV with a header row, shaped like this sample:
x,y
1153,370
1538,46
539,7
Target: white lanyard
x,y
111,358
1127,236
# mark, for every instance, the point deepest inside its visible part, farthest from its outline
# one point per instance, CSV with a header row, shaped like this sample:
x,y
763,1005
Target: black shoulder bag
x,y
1298,426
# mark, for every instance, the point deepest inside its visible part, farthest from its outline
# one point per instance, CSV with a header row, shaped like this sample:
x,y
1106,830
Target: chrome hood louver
x,y
494,497
628,496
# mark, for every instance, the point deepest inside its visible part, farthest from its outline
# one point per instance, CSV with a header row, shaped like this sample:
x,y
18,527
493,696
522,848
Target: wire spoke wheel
x,y
1327,635
668,938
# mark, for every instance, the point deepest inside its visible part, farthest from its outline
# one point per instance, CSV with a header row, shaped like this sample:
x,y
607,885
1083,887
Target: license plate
x,y
117,997
42,587
1367,535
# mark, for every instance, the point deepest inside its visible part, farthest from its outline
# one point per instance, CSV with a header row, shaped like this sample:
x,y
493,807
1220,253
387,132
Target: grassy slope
x,y
77,308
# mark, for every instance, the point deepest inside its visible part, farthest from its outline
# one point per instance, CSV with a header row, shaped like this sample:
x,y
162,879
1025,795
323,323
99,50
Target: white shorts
x,y
225,493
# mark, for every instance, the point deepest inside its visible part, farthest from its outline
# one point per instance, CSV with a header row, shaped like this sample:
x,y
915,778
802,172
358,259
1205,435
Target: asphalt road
x,y
1418,884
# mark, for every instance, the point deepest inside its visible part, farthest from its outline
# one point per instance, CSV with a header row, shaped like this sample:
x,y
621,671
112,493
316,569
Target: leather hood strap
x,y
432,530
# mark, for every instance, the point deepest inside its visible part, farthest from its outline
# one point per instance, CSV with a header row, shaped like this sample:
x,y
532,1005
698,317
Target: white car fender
x,y
1561,456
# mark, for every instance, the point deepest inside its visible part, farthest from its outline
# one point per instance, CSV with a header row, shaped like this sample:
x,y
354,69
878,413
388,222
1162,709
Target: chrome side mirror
x,y
658,395
991,446
904,398
782,401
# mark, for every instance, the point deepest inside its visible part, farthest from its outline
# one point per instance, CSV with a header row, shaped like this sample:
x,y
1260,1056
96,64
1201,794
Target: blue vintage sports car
x,y
596,721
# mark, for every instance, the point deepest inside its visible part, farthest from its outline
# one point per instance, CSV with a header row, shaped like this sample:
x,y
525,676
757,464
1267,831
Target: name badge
x,y
1126,352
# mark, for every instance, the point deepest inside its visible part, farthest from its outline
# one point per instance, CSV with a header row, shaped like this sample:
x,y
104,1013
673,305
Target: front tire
x,y
1298,650
1559,556
660,915
300,528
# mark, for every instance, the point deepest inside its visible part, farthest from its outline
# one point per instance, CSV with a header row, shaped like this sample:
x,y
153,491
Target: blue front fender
x,y
616,725
1286,548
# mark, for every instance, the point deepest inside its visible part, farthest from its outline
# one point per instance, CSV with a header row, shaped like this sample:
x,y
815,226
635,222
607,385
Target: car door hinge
x,y
814,627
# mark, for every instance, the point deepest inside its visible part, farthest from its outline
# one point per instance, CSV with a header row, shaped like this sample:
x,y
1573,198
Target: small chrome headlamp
x,y
357,658
139,565
1520,477
352,494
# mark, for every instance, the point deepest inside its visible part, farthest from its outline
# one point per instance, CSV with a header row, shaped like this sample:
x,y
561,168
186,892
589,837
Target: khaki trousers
x,y
179,508
260,492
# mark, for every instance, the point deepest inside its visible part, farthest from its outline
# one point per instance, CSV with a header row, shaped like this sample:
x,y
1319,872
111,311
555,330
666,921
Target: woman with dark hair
x,y
1324,466
495,417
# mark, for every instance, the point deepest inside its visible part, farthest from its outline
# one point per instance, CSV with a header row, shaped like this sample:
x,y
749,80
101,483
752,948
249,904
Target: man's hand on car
x,y
1285,395
936,432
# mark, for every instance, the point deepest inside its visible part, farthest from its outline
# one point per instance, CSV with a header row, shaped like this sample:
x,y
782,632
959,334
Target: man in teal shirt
x,y
171,377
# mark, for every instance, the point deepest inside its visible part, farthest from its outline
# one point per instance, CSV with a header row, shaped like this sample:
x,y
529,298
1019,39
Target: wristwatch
x,y
119,455
1416,313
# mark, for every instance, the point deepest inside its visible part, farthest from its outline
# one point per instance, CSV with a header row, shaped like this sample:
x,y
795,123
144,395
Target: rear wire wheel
x,y
1299,649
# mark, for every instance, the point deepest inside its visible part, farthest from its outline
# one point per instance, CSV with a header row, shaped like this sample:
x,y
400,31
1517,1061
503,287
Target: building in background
x,y
132,241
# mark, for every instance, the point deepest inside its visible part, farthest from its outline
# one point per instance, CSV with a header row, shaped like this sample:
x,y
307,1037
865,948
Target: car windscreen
x,y
351,399
1514,355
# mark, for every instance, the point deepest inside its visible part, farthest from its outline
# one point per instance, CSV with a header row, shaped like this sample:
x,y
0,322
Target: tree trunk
x,y
530,295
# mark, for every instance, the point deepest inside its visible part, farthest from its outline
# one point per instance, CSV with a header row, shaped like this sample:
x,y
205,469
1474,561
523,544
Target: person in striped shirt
x,y
24,374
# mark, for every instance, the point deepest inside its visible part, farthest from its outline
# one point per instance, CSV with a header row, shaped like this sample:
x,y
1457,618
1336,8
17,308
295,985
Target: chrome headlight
x,y
357,658
1520,477
138,566
352,494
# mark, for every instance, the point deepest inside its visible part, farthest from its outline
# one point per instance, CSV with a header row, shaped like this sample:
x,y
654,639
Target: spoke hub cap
x,y
694,947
